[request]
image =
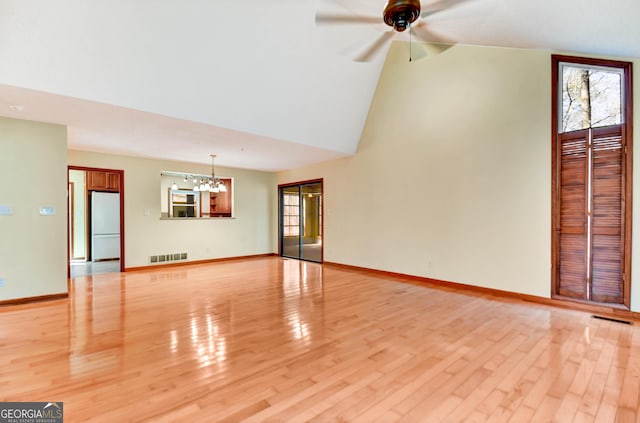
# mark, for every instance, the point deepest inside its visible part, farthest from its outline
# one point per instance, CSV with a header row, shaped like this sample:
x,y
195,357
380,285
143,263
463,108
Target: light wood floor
x,y
280,340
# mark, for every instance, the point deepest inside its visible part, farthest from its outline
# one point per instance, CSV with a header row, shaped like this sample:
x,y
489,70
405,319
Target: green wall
x,y
252,231
33,248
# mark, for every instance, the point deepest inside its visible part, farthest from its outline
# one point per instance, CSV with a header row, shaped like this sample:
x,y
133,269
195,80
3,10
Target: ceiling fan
x,y
400,15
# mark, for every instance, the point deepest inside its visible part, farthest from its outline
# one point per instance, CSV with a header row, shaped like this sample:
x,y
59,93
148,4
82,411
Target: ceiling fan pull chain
x,y
410,40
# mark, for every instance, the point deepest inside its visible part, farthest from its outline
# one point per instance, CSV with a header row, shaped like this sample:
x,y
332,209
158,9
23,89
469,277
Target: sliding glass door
x,y
290,221
301,220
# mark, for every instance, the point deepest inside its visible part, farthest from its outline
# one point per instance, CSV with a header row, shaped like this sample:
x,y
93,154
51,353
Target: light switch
x,y
6,211
47,211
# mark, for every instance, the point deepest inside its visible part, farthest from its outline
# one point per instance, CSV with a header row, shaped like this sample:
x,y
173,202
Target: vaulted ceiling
x,y
256,82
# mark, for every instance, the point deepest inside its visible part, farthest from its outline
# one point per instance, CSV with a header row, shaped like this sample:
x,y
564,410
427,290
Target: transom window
x,y
592,96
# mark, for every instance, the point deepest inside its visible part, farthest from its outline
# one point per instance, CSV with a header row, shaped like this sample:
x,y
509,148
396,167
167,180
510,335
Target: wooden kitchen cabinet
x,y
98,180
220,203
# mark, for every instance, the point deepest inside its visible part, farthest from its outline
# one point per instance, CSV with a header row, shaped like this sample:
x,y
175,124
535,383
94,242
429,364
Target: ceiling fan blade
x,y
375,47
438,42
439,6
334,18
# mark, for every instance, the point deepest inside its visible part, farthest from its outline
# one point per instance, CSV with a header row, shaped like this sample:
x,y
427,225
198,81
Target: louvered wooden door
x,y
572,229
607,215
590,218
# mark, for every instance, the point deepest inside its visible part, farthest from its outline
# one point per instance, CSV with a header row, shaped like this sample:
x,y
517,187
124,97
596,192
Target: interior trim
x,y
29,300
187,263
497,293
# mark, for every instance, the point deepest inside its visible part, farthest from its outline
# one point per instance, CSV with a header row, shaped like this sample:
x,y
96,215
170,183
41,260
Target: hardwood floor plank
x,y
430,401
568,408
546,409
522,414
500,415
582,417
267,339
491,403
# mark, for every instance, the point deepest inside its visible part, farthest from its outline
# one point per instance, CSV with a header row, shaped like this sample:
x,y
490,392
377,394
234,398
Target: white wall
x,y
252,231
452,178
166,57
33,248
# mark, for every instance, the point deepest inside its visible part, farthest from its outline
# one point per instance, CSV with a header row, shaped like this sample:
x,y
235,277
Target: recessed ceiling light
x,y
16,107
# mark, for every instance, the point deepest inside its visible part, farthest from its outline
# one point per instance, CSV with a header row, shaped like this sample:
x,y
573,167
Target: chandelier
x,y
201,183
213,184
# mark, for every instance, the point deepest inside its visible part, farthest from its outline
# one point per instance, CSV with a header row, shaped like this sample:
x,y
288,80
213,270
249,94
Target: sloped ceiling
x,y
254,81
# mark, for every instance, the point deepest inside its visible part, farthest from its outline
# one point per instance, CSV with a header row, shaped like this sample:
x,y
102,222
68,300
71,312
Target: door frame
x,y
121,194
70,217
280,220
627,129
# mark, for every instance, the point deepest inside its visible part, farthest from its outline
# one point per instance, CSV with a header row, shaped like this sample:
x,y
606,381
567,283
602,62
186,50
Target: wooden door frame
x,y
627,128
299,184
121,195
71,217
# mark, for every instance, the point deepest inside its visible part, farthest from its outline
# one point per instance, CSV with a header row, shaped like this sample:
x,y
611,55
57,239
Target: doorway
x,y
592,175
301,220
96,221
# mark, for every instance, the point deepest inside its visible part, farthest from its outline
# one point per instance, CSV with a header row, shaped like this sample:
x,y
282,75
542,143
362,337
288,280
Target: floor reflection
x,y
211,349
271,339
98,324
302,289
85,268
119,320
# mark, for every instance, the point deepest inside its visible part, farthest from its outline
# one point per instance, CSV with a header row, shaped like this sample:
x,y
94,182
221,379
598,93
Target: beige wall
x,y
252,231
452,178
33,248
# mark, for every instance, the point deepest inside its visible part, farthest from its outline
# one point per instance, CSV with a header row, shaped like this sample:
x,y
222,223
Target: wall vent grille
x,y
626,322
163,258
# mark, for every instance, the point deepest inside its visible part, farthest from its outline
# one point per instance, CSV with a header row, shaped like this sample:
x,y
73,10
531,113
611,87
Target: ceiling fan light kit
x,y
399,14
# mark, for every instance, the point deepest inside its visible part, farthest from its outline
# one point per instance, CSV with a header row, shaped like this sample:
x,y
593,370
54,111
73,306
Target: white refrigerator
x,y
105,226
